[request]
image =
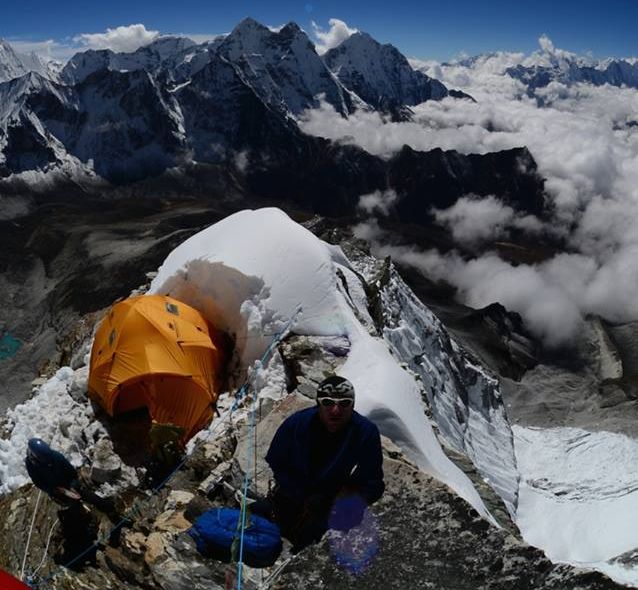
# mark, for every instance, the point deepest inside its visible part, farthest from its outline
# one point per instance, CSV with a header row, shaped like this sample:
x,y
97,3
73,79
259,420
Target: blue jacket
x,y
51,471
358,462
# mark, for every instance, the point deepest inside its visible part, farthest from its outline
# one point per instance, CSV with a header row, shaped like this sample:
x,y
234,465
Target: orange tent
x,y
157,352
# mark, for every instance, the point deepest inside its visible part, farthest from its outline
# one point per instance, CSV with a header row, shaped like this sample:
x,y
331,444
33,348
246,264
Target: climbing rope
x,y
26,549
46,551
252,435
239,397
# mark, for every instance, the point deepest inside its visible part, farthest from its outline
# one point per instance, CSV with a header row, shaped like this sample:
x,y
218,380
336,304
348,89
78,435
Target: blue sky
x,y
418,28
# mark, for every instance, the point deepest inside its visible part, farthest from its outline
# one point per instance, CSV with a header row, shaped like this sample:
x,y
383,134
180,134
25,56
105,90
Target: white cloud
x,y
378,201
338,32
121,39
548,52
585,142
473,219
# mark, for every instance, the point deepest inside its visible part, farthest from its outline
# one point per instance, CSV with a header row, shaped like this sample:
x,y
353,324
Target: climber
x,y
51,472
327,464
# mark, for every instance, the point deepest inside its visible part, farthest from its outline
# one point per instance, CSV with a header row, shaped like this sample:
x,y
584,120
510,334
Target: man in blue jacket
x,y
327,463
51,472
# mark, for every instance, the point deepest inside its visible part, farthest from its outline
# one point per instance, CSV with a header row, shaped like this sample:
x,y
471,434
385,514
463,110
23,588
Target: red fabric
x,y
8,582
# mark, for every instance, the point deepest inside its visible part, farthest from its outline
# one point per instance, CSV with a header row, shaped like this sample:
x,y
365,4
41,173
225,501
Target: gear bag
x,y
217,534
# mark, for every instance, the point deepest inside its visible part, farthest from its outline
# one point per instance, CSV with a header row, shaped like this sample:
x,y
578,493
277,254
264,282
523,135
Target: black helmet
x,y
37,449
336,387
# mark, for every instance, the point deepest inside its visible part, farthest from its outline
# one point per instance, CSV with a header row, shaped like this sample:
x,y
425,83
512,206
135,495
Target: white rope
x,y
26,549
268,582
46,549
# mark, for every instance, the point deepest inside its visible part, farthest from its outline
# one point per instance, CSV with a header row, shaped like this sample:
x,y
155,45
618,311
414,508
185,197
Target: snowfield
x,y
578,498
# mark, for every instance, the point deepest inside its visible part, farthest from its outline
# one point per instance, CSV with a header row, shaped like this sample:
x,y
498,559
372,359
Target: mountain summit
x,y
380,74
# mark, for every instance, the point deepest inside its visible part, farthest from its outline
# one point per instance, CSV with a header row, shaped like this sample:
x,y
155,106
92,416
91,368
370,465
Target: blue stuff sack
x,y
215,531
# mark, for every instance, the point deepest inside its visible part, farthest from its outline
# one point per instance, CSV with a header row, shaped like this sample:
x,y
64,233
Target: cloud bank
x,y
379,201
121,39
585,142
473,220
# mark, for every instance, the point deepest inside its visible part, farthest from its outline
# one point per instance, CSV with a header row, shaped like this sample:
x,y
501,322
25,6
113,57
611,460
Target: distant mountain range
x,y
125,116
14,64
224,114
571,70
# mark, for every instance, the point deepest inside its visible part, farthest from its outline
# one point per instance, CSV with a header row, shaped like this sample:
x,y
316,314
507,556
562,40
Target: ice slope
x,y
578,499
251,271
465,400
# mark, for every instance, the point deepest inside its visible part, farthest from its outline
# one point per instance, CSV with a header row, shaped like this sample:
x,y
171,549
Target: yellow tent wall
x,y
157,352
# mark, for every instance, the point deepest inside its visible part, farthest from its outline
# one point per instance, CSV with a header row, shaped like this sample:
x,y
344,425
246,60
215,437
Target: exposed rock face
x,y
427,538
498,337
437,178
585,387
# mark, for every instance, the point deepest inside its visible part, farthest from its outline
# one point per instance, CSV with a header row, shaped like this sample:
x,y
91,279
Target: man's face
x,y
334,416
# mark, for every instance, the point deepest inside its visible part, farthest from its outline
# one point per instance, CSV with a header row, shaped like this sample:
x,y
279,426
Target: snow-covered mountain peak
x,y
282,67
148,58
251,37
380,74
5,47
249,31
83,64
11,66
30,82
363,40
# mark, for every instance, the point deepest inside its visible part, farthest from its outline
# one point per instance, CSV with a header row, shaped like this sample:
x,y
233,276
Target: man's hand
x,y
347,512
68,493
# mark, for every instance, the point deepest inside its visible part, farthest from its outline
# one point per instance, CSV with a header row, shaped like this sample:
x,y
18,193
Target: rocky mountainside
x,y
419,535
423,536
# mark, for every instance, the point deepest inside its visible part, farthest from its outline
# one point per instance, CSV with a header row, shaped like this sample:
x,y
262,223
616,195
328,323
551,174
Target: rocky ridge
x,y
419,535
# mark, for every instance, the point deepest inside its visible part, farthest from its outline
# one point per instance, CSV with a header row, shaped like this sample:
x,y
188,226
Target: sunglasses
x,y
328,402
